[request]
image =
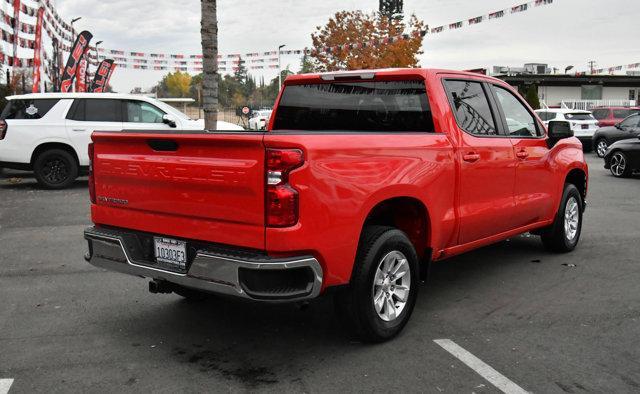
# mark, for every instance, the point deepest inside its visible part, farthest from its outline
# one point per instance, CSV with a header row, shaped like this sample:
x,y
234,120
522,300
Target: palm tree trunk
x,y
209,34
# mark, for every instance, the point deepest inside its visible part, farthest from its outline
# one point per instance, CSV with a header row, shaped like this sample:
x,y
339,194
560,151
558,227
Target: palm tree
x,y
209,34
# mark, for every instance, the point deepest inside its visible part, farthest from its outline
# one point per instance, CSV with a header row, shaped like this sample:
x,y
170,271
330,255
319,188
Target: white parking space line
x,y
5,385
491,375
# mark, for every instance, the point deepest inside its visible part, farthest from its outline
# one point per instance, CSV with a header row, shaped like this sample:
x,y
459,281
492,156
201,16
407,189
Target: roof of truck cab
x,y
423,72
118,96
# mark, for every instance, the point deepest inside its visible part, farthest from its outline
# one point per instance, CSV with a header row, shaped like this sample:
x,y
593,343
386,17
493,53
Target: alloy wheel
x,y
391,285
601,148
55,170
618,164
571,218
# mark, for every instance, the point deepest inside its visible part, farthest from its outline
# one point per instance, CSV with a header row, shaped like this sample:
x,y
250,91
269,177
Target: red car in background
x,y
610,116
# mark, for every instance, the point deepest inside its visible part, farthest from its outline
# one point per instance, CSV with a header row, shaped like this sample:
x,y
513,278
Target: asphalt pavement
x,y
545,322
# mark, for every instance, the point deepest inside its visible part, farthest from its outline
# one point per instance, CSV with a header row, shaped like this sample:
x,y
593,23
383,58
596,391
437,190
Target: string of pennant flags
x,y
55,26
613,69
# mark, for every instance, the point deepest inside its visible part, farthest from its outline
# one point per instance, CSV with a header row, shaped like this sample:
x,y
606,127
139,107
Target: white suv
x,y
582,123
49,133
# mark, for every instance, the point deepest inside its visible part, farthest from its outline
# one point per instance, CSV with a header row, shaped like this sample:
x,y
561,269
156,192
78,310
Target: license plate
x,y
171,253
585,126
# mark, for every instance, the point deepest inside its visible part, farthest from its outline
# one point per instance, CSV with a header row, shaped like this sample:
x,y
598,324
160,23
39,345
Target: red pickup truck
x,y
361,180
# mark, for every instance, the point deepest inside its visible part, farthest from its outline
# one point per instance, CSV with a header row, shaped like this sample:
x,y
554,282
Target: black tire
x,y
190,295
55,169
557,238
355,303
619,165
597,147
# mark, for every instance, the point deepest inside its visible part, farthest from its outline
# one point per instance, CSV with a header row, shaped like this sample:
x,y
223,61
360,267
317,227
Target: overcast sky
x,y
568,32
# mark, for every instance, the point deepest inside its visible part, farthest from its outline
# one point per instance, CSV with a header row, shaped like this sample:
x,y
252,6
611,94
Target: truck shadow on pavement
x,y
256,344
18,180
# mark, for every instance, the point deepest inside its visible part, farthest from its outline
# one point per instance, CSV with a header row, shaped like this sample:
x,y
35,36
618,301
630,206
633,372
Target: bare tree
x,y
209,34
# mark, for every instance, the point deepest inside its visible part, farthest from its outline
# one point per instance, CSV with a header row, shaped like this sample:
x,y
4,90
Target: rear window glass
x,y
623,113
600,113
28,109
355,106
578,116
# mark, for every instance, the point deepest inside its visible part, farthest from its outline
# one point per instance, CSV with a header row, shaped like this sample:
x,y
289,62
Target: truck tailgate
x,y
194,185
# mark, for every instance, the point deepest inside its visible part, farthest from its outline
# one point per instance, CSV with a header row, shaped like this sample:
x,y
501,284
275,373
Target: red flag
x,y
100,79
37,56
69,73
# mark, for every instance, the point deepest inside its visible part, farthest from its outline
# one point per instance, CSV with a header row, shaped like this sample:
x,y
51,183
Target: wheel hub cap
x,y
391,285
602,148
571,218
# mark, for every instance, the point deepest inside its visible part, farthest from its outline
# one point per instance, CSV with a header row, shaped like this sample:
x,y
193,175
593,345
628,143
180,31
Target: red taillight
x,y
92,183
281,200
3,128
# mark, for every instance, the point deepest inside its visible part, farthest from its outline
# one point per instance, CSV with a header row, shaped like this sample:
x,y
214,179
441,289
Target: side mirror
x,y
619,126
168,119
559,130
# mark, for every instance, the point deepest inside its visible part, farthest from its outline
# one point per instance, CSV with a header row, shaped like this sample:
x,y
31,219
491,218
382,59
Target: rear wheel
x,y
564,234
619,165
601,147
378,302
55,169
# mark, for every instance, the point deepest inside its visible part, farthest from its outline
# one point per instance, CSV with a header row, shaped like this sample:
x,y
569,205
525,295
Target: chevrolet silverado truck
x,y
361,180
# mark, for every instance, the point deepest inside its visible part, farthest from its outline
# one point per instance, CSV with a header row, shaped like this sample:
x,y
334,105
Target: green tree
x,y
178,84
306,65
532,96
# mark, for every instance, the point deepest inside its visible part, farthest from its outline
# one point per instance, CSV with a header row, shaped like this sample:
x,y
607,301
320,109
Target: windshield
x,y
579,116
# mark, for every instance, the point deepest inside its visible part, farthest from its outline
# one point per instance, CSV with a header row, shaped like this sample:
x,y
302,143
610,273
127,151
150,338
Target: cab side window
x,y
471,107
142,112
95,110
520,122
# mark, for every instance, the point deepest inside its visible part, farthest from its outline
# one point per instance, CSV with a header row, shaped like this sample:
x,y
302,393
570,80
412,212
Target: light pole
x,y
73,41
73,32
279,67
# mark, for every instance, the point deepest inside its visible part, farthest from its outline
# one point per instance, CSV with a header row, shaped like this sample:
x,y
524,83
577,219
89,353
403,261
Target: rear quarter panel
x,y
346,175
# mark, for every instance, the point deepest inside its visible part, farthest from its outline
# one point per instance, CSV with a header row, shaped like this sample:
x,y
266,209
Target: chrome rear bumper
x,y
254,277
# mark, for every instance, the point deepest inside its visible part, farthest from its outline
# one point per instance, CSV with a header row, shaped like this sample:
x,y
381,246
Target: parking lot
x,y
549,323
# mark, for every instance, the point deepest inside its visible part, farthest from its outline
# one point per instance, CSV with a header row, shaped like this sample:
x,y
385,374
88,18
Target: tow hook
x,y
160,287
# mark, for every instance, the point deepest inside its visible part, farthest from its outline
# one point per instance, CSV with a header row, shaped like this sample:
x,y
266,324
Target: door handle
x,y
471,157
79,129
522,154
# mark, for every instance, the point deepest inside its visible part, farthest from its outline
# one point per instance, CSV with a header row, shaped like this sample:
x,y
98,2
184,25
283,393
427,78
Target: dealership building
x,y
574,91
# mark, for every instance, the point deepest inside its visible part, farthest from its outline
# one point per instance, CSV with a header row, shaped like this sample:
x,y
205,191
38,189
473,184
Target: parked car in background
x,y
361,180
582,123
259,119
609,116
605,136
49,132
623,157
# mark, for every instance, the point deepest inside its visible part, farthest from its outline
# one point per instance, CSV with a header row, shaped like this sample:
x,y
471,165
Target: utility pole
x,y
280,67
592,65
